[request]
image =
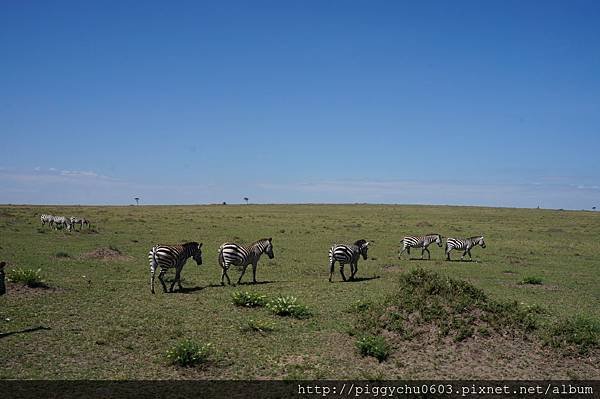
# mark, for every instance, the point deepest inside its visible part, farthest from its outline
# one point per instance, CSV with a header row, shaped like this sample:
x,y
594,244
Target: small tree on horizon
x,y
137,200
246,199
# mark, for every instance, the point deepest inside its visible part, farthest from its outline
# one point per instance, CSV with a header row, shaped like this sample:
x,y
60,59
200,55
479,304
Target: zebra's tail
x,y
221,260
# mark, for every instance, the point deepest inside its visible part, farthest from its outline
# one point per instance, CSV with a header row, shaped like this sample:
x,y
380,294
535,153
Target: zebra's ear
x,y
200,245
270,239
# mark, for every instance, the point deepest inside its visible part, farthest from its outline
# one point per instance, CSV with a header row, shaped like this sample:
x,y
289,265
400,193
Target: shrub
x,y
248,299
260,326
532,280
289,306
62,254
375,346
28,277
580,331
188,353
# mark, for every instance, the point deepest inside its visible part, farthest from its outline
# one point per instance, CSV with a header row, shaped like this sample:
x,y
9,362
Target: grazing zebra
x,y
80,221
343,254
62,222
47,219
463,244
237,255
420,242
172,256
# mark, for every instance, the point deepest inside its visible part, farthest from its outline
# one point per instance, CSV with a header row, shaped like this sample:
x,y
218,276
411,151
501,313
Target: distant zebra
x,y
420,242
463,244
172,256
80,221
62,222
44,218
343,254
237,255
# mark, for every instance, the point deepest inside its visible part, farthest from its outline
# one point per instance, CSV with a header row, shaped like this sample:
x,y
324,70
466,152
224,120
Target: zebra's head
x,y
269,248
363,247
438,240
481,242
197,253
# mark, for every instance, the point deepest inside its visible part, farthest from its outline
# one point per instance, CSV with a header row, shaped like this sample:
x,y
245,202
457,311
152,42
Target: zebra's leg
x,y
469,252
161,276
428,253
224,274
331,268
177,279
447,253
254,273
152,281
353,270
463,255
342,271
401,252
242,275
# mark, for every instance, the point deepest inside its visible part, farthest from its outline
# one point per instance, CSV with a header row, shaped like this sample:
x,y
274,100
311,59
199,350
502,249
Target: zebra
x,y
62,222
80,221
237,255
343,254
172,256
420,242
463,244
44,218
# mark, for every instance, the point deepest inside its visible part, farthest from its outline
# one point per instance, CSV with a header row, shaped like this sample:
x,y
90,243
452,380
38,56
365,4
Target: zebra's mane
x,y
190,244
260,241
475,237
360,243
433,234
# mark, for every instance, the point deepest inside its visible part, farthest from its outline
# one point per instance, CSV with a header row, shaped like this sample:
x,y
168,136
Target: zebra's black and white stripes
x,y
238,255
420,242
172,256
79,221
463,244
44,218
343,254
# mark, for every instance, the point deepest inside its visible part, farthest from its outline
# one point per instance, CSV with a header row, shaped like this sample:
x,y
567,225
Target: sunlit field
x,y
97,318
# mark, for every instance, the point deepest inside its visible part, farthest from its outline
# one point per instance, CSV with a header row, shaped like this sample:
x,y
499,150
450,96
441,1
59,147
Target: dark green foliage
x,y
62,254
289,306
248,299
580,331
260,326
532,280
188,353
375,346
29,277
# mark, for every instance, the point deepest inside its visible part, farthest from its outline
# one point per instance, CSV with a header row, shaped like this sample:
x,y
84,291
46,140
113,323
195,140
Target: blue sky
x,y
463,103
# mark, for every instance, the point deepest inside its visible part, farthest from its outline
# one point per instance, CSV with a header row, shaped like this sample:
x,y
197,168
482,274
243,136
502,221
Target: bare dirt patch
x,y
21,290
423,224
107,254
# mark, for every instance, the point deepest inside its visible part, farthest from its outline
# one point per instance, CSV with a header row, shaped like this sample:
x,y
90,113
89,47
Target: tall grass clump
x,y
260,326
425,302
580,332
533,280
248,299
188,353
29,277
289,306
375,346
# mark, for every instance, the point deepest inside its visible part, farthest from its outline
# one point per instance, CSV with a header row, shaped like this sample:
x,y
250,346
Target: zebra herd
x,y
57,222
175,256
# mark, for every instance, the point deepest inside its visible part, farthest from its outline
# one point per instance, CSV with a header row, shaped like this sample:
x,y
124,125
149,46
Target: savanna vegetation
x,y
78,304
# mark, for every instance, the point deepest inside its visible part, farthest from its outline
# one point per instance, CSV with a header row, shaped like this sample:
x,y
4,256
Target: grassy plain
x,y
100,320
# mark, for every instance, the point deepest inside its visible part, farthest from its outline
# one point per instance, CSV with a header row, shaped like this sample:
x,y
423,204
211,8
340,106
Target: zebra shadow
x,y
463,260
259,282
359,279
424,259
26,330
189,290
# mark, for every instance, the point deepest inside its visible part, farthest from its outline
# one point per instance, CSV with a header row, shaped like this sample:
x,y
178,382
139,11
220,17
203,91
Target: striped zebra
x,y
44,218
420,242
172,256
463,244
237,255
61,221
80,221
343,254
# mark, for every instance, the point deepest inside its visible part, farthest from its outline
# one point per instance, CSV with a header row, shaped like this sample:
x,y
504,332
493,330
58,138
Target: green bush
x,y
532,280
248,299
580,331
289,306
375,346
28,277
260,326
188,353
62,254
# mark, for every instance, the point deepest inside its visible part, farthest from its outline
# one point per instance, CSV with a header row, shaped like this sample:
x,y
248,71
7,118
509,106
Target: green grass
x,y
288,306
105,324
29,277
188,353
375,346
248,299
258,325
579,332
